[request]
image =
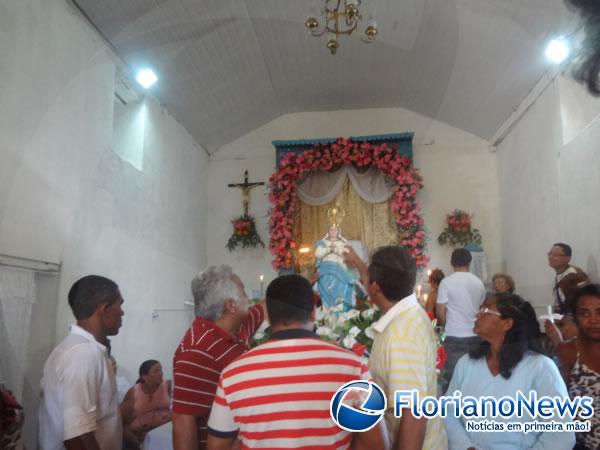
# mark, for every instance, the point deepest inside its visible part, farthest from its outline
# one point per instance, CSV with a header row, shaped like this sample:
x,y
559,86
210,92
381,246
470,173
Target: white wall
x,y
548,190
458,170
66,196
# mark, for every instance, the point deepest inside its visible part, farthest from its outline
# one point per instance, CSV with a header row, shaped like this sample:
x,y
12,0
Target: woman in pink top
x,y
146,404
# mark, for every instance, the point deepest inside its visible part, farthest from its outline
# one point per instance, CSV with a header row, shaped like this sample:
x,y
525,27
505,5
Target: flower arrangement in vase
x,y
458,231
244,234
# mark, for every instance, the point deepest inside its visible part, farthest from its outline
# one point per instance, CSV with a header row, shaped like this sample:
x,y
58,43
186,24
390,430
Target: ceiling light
x,y
557,50
339,17
146,77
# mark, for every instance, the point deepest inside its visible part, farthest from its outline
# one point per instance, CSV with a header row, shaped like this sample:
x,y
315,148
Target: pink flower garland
x,y
294,167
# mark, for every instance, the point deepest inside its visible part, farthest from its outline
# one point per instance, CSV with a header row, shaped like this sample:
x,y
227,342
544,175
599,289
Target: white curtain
x,y
17,296
319,188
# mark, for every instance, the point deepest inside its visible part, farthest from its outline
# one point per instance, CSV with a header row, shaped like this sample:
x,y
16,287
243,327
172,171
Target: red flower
x,y
442,357
316,299
359,349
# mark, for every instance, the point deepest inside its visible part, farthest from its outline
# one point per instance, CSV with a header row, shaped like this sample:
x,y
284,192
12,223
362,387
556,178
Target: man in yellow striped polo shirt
x,y
404,348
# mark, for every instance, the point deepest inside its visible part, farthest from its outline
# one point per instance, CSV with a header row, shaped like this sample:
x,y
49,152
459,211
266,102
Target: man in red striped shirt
x,y
220,333
277,395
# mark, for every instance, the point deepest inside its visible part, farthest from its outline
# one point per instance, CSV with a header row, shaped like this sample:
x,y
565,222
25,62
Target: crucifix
x,y
246,188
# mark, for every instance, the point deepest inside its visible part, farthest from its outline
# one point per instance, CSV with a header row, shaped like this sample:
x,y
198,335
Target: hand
x,y
314,278
351,258
553,332
263,305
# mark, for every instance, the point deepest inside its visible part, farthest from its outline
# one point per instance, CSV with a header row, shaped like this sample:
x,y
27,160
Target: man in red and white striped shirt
x,y
277,395
220,333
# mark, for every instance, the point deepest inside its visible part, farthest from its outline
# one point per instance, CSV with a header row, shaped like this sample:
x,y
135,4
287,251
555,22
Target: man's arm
x,y
222,428
81,373
352,259
86,441
409,368
256,316
442,301
440,313
185,432
221,443
411,432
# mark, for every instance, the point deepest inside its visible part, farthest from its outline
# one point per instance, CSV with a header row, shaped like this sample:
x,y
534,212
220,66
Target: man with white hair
x,y
220,333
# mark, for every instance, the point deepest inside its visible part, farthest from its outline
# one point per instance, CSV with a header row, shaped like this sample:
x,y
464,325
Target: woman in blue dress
x,y
508,360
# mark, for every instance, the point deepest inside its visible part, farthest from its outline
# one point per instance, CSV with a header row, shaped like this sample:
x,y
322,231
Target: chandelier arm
x,y
353,25
318,33
336,19
331,10
338,32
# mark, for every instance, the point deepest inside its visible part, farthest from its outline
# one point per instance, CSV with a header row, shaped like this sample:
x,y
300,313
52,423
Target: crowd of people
x,y
226,395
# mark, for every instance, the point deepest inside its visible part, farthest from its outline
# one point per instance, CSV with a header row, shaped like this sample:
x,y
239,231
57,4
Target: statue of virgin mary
x,y
336,283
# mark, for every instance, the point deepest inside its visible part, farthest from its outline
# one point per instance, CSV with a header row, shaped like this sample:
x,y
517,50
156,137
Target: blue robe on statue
x,y
335,285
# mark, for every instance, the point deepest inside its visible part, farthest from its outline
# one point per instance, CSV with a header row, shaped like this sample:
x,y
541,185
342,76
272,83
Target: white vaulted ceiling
x,y
227,67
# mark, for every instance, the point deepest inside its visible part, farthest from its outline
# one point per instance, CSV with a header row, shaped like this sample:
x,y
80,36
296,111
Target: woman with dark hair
x,y
146,405
508,360
580,358
435,278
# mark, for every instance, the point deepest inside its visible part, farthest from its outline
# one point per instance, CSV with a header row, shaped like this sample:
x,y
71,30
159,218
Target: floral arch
x,y
329,155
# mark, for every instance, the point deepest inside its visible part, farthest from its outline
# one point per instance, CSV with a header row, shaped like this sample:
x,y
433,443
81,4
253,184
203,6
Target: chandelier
x,y
340,17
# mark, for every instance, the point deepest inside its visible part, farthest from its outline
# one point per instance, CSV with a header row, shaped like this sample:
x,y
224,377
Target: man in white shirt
x,y
79,407
459,298
559,258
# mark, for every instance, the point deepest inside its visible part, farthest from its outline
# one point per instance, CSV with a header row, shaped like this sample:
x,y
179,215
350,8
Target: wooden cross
x,y
246,187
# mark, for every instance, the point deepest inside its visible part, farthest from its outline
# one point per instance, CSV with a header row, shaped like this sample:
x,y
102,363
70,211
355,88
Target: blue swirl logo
x,y
367,415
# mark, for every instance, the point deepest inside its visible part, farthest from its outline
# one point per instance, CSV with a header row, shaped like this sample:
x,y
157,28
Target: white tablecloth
x,y
160,438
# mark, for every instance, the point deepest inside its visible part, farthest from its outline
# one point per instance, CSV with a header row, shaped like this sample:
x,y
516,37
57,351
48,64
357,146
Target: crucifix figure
x,y
246,187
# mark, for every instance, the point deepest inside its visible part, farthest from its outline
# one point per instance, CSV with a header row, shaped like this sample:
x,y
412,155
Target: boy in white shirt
x,y
459,298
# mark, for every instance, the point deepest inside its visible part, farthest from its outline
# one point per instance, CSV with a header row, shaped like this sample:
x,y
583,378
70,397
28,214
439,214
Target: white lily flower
x,y
354,331
353,313
320,314
349,342
341,321
368,313
369,332
339,307
324,331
